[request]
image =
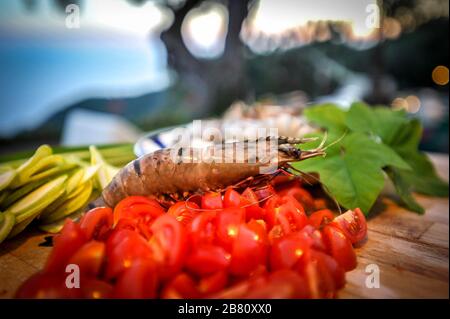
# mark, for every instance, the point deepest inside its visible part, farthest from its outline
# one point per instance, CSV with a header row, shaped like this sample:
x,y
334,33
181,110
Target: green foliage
x,y
374,142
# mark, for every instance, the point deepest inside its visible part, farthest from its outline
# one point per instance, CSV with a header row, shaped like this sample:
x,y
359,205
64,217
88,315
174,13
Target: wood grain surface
x,y
411,251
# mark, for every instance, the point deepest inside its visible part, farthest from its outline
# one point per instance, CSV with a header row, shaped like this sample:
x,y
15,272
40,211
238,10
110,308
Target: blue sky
x,y
46,66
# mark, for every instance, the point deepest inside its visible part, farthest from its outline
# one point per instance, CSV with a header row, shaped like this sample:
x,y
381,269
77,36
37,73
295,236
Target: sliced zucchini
x,y
7,221
70,206
7,175
3,196
33,203
50,209
19,227
21,191
106,172
74,180
56,170
26,169
89,172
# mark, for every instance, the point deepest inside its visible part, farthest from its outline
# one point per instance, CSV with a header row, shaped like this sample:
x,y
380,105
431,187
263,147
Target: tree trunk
x,y
211,85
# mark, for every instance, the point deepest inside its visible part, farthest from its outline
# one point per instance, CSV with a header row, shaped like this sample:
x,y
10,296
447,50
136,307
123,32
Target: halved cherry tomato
x,y
275,233
123,249
320,280
137,207
138,281
182,286
329,264
314,237
207,259
184,211
169,244
353,224
89,258
202,229
339,247
97,222
66,244
324,275
288,251
213,283
321,218
227,225
249,249
287,212
231,198
212,201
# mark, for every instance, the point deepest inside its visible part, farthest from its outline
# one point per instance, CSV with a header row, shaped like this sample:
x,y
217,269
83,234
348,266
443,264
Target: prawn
x,y
166,177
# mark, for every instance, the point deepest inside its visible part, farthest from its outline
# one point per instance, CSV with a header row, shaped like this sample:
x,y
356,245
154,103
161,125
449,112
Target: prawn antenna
x,y
336,141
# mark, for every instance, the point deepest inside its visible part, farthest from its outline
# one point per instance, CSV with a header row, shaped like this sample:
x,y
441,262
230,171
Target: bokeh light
x,y
440,75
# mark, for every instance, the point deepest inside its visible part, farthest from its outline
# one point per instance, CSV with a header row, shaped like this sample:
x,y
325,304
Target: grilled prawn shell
x,y
178,173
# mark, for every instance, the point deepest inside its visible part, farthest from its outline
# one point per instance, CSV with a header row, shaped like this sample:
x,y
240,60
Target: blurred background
x,y
103,71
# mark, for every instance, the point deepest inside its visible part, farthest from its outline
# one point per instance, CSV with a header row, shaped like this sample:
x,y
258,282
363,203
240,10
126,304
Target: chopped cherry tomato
x,y
329,264
169,244
286,252
287,212
258,244
89,258
314,237
213,283
183,211
138,281
202,229
212,201
353,224
249,249
123,249
207,259
275,233
321,218
227,225
97,222
252,209
231,198
324,275
137,207
65,245
340,247
182,286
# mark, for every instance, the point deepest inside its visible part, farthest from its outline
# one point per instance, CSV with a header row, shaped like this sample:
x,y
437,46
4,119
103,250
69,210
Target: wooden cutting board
x,y
410,251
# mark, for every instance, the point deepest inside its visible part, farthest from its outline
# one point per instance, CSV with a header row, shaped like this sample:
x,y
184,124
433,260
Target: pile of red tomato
x,y
254,244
